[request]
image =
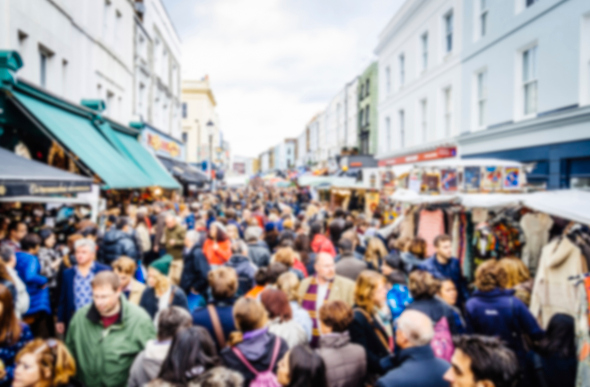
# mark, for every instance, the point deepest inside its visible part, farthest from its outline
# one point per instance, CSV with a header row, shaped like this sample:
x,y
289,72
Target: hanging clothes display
x,y
430,226
535,227
583,337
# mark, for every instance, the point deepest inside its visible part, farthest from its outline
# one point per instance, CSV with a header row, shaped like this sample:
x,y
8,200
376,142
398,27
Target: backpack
x,y
265,378
442,342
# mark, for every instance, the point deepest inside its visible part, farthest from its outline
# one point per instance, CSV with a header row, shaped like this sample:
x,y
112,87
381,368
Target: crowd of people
x,y
262,287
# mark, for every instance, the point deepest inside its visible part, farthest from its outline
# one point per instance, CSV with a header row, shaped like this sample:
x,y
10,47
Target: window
x,y
388,134
483,17
424,41
110,103
449,32
402,71
184,113
368,87
482,96
423,119
105,19
362,118
529,79
448,97
362,90
402,129
367,114
64,77
387,79
43,64
184,137
530,2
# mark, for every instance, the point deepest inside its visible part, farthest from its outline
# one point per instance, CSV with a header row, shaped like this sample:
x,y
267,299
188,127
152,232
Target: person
x,y
76,284
174,236
448,294
372,326
118,241
111,329
289,283
257,250
6,280
443,265
252,347
223,283
302,248
8,257
415,363
271,236
281,322
14,335
125,268
494,311
29,269
414,253
518,278
148,363
16,231
286,256
398,296
160,292
142,233
193,280
375,253
160,213
302,367
348,265
554,363
325,285
481,361
50,261
319,242
244,268
217,247
261,280
346,363
45,363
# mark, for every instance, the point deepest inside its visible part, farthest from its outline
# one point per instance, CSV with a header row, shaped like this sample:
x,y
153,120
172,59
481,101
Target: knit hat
x,y
269,227
162,264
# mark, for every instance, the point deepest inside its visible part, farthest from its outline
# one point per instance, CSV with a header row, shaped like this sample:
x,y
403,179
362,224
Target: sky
x,y
274,64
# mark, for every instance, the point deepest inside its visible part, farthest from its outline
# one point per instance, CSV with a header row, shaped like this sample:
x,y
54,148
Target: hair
x,y
490,359
276,304
516,271
6,253
336,315
275,270
286,256
30,242
423,285
306,368
441,238
316,228
261,276
336,228
10,328
302,246
191,353
394,261
13,226
418,247
53,356
375,252
124,265
416,326
252,233
239,247
364,292
560,337
170,320
4,275
85,242
289,283
44,234
223,282
230,214
490,275
193,236
249,315
106,278
122,222
221,231
90,231
345,245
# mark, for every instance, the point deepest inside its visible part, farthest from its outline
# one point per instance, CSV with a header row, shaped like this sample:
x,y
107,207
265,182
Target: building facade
x,y
367,110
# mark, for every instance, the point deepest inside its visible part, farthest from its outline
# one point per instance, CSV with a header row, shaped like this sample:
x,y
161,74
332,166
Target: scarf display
x,y
309,304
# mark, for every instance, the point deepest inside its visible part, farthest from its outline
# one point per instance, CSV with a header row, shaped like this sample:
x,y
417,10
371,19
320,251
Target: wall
x,y
198,109
367,101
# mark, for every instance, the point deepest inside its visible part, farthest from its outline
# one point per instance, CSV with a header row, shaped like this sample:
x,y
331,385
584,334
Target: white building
x,y
265,162
75,49
419,56
302,148
157,68
318,151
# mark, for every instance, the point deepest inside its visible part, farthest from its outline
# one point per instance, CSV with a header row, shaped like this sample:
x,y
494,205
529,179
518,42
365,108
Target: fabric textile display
x,y
430,226
583,337
536,230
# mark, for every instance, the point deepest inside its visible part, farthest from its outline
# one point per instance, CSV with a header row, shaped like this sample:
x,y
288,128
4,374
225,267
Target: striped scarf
x,y
309,304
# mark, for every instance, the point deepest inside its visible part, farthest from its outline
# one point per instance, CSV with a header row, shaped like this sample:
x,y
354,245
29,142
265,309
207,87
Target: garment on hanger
x,y
583,337
430,226
536,231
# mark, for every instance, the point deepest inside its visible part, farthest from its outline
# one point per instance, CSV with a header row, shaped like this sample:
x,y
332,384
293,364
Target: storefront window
x,y
580,183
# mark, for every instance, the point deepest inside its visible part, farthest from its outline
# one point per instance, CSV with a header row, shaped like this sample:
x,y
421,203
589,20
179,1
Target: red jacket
x,y
321,244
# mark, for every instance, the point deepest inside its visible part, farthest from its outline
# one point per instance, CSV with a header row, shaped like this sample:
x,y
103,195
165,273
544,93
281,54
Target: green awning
x,y
80,136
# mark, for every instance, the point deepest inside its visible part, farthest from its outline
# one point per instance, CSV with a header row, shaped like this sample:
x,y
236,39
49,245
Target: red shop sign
x,y
438,153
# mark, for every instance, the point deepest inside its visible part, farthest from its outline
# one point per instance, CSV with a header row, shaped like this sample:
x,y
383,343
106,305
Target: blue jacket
x,y
29,271
116,243
498,313
452,271
398,298
66,306
416,367
245,270
224,310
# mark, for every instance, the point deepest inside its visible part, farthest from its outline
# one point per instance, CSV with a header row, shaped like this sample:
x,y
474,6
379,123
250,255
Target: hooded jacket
x,y
245,270
195,271
259,254
553,292
116,243
436,309
29,270
416,367
346,363
450,270
224,308
146,365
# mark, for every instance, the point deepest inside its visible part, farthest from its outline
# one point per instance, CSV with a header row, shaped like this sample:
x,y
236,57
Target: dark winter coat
x,y
363,332
350,267
259,254
116,243
346,363
66,306
149,300
224,310
498,313
195,271
245,270
452,271
555,370
436,309
28,268
416,367
258,351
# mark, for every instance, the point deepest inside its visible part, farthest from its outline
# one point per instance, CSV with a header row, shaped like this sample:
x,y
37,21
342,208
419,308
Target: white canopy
x,y
568,204
412,197
486,200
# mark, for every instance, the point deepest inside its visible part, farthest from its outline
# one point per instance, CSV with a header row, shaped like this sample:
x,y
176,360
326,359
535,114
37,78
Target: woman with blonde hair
x,y
372,326
45,363
253,349
289,283
375,253
518,278
287,257
125,268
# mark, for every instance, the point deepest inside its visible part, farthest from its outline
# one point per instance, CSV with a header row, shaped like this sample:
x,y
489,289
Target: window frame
x,y
424,119
483,18
449,24
481,98
448,111
424,46
388,134
402,70
402,127
530,81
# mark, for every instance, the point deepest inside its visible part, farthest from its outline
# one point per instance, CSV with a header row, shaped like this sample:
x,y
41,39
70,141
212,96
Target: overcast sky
x,y
273,64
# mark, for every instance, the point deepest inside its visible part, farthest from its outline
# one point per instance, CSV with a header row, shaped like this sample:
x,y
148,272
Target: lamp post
x,y
211,132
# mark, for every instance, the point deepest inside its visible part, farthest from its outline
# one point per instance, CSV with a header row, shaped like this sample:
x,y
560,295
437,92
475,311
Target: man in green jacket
x,y
105,336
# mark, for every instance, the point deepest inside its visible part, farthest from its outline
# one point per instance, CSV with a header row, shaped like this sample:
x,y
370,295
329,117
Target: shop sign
x,y
438,153
163,145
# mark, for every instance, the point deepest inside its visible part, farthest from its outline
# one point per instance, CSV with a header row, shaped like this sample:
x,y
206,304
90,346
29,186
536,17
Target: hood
x,y
257,347
335,340
113,236
157,350
494,293
238,260
565,248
